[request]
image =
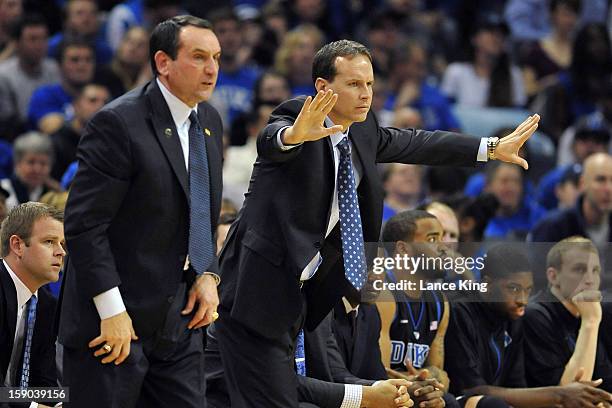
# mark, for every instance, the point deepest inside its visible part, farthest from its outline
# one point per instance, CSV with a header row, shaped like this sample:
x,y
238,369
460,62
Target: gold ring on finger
x,y
108,348
215,315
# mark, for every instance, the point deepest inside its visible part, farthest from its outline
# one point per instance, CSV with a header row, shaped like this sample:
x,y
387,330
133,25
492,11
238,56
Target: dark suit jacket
x,y
283,221
360,349
127,217
42,358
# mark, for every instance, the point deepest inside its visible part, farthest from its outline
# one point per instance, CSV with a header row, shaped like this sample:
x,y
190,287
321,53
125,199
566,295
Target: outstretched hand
x,y
308,125
508,146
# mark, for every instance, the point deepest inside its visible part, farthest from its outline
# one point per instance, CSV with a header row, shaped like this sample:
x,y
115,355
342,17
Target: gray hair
x,y
32,142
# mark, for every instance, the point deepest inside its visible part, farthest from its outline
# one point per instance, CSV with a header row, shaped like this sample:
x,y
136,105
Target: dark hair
x,y
20,221
501,91
166,35
500,88
505,259
324,63
590,67
574,5
28,20
73,41
402,227
223,14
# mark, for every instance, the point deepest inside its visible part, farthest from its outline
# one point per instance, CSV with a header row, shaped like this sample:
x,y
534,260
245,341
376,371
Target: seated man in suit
x,y
485,339
32,239
327,382
563,322
356,327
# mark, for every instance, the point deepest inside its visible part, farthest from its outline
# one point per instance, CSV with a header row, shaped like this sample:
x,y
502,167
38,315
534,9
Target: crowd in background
x,y
471,66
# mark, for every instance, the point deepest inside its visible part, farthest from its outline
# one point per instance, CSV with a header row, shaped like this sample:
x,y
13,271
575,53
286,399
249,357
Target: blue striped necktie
x,y
27,348
350,219
201,251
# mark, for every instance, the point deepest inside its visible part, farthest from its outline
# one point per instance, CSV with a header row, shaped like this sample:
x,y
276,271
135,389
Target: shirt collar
x,y
338,136
23,293
178,109
348,307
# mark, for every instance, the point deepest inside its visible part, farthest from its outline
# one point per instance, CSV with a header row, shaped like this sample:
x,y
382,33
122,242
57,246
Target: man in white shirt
x,y
141,278
32,246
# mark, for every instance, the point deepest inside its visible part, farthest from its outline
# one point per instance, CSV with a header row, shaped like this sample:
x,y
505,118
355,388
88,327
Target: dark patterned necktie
x,y
201,251
27,348
350,219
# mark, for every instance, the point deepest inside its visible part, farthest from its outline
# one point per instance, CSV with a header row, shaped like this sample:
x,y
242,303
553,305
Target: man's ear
x,y
321,84
16,245
551,274
161,62
403,248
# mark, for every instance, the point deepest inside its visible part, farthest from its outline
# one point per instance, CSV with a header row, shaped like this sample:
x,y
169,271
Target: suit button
x,y
317,245
170,299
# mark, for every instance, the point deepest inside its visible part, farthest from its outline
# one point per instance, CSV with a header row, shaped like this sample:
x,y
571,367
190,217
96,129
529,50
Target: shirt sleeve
x,y
544,350
109,303
482,155
352,396
279,140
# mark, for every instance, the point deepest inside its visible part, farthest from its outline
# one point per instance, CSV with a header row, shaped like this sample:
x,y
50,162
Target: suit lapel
x,y
10,297
167,135
360,144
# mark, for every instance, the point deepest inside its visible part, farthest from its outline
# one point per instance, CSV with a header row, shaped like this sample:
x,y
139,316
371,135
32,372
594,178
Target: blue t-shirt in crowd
x,y
104,53
518,224
49,99
545,195
299,90
235,90
433,106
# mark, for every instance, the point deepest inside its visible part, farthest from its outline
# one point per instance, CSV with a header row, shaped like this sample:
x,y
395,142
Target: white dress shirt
x,y
110,303
23,296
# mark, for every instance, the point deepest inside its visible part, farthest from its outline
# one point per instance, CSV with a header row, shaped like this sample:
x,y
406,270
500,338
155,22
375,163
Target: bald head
x,y
596,181
447,218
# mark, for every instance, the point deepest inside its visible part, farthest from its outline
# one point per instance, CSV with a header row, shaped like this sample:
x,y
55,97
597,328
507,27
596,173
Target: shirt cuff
x,y
352,396
279,140
109,303
33,404
482,151
216,277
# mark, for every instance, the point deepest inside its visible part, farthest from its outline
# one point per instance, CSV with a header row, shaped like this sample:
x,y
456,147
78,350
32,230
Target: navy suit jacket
x,y
127,216
284,219
43,371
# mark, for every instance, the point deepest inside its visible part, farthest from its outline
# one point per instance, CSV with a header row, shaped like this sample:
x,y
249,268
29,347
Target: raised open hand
x,y
508,147
308,126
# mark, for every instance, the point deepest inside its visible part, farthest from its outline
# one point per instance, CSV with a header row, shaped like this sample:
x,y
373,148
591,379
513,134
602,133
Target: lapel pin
x,y
207,131
168,132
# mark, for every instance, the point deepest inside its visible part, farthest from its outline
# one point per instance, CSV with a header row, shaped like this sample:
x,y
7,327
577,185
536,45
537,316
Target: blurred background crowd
x,y
476,66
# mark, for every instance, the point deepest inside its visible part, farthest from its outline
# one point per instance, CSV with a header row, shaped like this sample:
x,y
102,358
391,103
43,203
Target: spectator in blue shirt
x,y
51,104
410,88
82,21
517,213
234,90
